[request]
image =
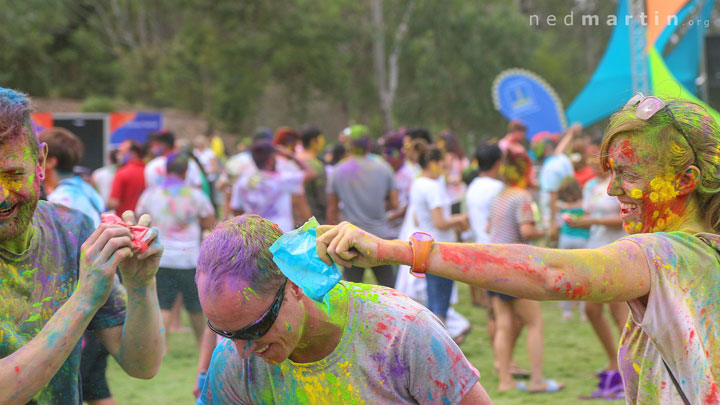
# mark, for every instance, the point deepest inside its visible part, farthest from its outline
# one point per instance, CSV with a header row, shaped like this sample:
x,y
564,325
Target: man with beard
x,y
52,289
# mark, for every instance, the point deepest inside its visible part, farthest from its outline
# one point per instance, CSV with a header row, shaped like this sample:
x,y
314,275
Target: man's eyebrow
x,y
12,169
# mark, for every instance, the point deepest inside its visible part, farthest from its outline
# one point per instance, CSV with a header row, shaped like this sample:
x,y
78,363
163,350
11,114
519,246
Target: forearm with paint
x,y
25,372
617,272
142,342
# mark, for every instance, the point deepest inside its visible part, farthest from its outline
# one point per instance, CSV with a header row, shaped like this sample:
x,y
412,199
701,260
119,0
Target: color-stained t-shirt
x,y
268,194
511,208
679,323
74,192
362,184
176,210
393,350
35,284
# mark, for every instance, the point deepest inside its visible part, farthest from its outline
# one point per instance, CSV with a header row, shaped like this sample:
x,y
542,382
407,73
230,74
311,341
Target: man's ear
x,y
688,180
295,290
42,161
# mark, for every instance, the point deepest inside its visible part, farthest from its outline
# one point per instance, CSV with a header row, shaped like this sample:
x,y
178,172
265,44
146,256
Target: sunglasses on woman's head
x,y
258,328
647,107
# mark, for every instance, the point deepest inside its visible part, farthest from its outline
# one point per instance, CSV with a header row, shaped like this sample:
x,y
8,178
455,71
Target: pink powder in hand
x,y
138,232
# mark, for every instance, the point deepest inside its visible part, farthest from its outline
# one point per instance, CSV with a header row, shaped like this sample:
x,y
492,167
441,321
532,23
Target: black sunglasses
x,y
258,328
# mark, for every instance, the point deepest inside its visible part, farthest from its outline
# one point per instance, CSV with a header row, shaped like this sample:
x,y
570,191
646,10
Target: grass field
x,y
572,354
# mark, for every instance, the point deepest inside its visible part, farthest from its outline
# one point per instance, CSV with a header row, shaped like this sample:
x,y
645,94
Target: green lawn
x,y
572,354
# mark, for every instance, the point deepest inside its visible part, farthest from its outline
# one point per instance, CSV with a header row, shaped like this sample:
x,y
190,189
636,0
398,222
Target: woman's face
x,y
647,190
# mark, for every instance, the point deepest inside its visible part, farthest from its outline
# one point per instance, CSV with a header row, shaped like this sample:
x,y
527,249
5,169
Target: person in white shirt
x,y
431,208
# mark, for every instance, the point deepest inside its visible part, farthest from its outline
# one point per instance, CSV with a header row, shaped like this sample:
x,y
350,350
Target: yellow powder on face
x,y
636,194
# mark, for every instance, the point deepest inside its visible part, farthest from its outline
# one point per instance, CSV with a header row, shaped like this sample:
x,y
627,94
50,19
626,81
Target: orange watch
x,y
421,243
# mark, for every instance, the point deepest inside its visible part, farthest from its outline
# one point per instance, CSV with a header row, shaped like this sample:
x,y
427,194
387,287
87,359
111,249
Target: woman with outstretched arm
x,y
664,161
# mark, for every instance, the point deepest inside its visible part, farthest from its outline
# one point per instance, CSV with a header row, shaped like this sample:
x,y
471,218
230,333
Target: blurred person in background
x,y
393,152
288,139
163,143
180,213
313,143
366,188
456,163
267,192
578,157
102,178
511,220
549,150
129,181
432,214
479,195
570,205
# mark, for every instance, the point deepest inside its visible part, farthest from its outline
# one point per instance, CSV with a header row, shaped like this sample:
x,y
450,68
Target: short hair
x,y
338,153
427,153
516,125
164,137
261,152
285,136
177,163
570,190
15,109
516,168
308,133
487,155
238,250
64,146
136,148
419,133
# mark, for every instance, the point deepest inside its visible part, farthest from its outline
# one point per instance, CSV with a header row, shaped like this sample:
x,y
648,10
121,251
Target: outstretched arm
x,y
617,272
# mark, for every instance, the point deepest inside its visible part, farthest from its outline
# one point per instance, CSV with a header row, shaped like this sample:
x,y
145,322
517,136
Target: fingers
x,y
326,234
338,248
155,249
120,255
113,246
129,217
107,233
144,220
151,236
322,229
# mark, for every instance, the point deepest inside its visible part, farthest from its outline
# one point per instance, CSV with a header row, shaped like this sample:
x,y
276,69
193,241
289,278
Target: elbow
x,y
144,374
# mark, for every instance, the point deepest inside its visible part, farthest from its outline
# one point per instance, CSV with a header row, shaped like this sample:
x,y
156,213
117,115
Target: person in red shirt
x,y
129,180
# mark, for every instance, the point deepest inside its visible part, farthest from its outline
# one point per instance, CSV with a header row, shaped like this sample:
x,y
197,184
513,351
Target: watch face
x,y
422,236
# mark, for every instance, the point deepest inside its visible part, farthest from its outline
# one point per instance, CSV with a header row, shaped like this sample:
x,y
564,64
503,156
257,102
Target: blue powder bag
x,y
295,253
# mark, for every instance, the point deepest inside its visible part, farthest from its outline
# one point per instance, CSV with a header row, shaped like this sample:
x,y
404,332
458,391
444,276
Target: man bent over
x,y
362,344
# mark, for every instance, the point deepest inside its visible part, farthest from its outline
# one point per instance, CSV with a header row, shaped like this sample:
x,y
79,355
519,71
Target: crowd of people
x,y
403,182
520,219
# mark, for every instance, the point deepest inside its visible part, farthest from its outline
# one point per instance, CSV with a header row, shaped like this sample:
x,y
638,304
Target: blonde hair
x,y
698,144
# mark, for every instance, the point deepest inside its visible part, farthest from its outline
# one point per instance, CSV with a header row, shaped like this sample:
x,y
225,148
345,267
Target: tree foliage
x,y
217,58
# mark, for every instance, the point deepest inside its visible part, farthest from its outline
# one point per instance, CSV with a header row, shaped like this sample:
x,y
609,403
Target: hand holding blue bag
x,y
295,253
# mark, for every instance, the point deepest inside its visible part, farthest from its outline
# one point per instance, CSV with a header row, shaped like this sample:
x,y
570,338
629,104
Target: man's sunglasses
x,y
258,328
647,107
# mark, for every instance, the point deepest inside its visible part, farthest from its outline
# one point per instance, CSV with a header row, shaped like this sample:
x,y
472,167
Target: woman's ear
x,y
688,180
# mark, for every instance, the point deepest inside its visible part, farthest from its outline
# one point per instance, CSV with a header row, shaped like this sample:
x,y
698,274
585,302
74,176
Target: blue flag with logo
x,y
524,96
